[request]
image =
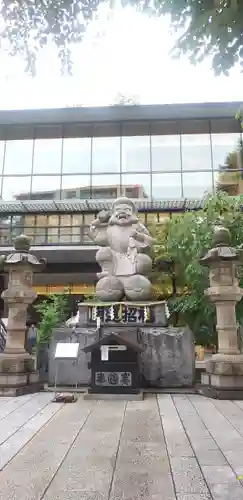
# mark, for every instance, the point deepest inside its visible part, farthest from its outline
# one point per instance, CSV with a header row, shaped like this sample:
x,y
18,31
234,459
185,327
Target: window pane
x,y
2,144
45,188
47,156
134,186
78,219
166,155
41,220
197,184
65,220
16,188
75,187
5,235
196,152
29,221
106,154
53,220
40,236
105,186
222,145
76,155
136,154
52,235
166,186
18,157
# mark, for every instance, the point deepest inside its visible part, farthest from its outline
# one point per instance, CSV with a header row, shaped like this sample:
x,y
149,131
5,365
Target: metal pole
x,y
56,374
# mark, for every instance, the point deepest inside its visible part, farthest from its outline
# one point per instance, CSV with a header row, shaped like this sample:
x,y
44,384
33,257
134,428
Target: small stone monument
x,y
224,371
17,371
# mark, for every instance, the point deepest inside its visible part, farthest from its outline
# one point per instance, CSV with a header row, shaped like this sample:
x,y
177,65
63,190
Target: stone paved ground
x,y
163,448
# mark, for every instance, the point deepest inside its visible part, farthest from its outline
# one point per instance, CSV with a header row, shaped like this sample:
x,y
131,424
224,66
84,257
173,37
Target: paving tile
x,y
142,468
239,404
187,476
142,423
14,403
22,414
79,495
29,473
232,491
204,444
14,444
177,442
89,450
234,458
200,438
91,470
218,474
147,455
238,470
140,484
211,457
96,495
203,496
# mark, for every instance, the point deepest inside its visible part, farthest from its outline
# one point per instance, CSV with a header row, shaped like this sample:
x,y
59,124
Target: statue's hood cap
x,y
124,201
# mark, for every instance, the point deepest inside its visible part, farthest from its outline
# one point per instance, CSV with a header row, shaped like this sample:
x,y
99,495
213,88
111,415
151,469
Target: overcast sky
x,y
130,57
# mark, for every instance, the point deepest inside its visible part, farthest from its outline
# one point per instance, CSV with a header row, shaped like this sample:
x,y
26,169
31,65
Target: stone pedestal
x,y
18,373
224,371
167,359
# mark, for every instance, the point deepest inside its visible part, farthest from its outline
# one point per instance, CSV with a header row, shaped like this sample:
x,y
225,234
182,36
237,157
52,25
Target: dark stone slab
x,y
71,372
12,391
218,393
167,359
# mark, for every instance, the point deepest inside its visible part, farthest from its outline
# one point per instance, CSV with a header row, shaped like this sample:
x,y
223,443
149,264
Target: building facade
x,y
59,167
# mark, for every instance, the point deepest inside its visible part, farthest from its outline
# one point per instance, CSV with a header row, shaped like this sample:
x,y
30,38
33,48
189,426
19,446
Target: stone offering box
x,y
167,356
114,366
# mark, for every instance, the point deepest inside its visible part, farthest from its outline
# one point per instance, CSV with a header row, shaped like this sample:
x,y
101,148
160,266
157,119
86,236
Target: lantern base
x,y
18,375
225,387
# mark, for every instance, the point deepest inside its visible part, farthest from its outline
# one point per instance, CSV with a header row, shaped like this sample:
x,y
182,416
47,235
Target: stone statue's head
x,y
123,212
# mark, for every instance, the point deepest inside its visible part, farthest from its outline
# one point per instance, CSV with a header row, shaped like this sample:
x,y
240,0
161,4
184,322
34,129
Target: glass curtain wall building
x,y
58,167
151,153
156,161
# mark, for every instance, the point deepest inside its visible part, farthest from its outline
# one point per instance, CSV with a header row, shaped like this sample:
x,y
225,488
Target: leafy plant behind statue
x,y
183,240
52,311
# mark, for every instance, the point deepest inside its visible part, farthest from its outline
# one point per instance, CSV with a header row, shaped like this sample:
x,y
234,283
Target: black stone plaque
x,y
119,379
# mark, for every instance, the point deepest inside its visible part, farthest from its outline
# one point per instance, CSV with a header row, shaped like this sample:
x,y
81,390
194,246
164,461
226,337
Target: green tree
x,y
210,28
184,240
29,25
52,311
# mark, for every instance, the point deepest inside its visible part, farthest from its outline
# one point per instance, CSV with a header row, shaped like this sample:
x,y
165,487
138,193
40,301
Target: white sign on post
x,y
104,353
67,350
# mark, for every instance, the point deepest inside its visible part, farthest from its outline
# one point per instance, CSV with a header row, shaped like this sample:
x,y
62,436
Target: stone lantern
x,y
224,371
16,364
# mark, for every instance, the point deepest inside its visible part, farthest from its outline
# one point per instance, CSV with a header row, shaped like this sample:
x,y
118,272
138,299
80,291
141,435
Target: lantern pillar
x,y
223,378
17,367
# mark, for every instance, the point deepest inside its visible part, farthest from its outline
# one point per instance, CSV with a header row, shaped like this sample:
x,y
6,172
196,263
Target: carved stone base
x,y
18,375
222,386
225,364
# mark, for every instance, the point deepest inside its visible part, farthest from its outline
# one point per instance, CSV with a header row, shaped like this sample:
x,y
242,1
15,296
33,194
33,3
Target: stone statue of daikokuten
x,y
123,255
